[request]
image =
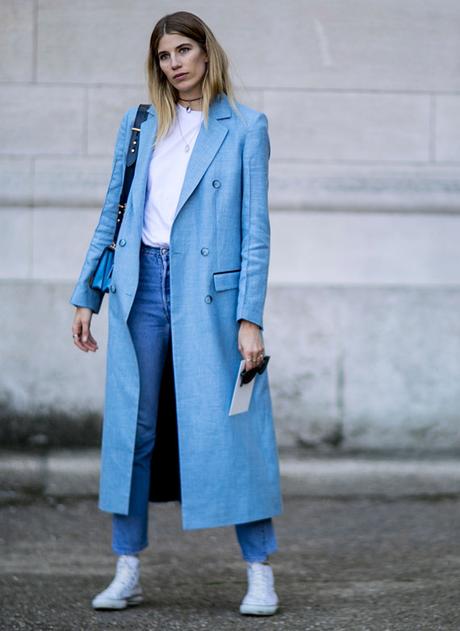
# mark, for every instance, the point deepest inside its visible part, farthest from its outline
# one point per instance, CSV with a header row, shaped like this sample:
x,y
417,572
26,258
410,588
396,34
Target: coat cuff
x,y
252,319
84,296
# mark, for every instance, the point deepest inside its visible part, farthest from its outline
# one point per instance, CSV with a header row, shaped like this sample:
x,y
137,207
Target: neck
x,y
194,102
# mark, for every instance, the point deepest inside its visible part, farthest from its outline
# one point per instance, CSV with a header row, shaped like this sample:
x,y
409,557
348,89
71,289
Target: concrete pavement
x,y
343,565
365,544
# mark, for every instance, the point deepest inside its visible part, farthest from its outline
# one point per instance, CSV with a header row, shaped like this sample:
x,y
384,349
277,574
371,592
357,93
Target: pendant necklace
x,y
187,146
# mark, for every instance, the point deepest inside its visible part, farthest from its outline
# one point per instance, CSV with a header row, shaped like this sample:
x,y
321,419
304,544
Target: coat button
x,y
204,251
208,299
113,289
216,183
122,242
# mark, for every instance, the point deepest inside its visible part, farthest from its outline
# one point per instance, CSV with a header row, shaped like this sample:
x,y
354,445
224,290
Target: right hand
x,y
82,337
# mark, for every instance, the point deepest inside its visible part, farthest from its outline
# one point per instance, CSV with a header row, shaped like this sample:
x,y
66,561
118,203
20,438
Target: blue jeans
x,y
149,324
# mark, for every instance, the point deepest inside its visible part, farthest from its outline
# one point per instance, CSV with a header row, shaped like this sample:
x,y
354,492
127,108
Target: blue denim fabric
x,y
149,324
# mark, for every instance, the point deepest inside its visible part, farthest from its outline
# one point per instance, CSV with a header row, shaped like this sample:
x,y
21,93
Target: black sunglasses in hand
x,y
248,375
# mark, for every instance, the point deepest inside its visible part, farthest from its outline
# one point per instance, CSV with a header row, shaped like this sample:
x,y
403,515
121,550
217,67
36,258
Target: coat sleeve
x,y
83,295
255,240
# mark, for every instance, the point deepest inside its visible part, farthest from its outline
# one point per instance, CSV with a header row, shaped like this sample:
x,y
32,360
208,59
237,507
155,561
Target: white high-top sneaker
x,y
261,598
124,590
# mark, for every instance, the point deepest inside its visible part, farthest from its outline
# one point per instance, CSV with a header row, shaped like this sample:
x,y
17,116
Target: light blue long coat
x,y
219,257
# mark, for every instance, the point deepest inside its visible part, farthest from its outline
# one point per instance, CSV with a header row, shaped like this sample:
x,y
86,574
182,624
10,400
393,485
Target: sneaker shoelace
x,y
260,580
125,577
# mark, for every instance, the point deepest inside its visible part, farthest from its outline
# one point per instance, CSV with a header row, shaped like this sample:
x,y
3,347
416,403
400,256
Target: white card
x,y
241,394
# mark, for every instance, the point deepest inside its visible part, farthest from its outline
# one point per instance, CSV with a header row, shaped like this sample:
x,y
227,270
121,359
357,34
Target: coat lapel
x,y
206,146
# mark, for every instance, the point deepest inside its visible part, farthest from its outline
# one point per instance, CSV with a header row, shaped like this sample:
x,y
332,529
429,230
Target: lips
x,y
179,76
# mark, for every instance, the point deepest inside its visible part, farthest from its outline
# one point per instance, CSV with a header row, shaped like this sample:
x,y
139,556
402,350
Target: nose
x,y
174,62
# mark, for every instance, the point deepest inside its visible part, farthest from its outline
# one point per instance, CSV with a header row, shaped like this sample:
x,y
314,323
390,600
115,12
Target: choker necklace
x,y
188,108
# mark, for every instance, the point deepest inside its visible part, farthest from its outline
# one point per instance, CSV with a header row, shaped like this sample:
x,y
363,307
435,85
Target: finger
x,y
84,331
260,357
76,328
76,335
92,339
85,336
243,352
92,344
257,359
252,353
250,361
78,344
247,363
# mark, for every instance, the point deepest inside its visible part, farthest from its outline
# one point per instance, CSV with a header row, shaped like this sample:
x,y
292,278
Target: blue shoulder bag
x,y
102,275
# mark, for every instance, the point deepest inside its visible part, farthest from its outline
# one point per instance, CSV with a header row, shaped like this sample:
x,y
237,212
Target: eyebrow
x,y
180,46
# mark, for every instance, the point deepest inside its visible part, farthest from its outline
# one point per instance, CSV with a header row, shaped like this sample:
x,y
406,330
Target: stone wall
x,y
363,101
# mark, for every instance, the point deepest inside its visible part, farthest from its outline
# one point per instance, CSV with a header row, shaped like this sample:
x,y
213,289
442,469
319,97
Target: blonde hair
x,y
216,79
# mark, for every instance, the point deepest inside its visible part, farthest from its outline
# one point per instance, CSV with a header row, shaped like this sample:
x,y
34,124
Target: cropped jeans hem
x,y
129,550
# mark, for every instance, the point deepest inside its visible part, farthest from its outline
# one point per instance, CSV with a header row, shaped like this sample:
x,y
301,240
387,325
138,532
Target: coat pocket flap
x,y
226,280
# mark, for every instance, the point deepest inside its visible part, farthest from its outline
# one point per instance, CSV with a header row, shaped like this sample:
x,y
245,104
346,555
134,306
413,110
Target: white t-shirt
x,y
166,176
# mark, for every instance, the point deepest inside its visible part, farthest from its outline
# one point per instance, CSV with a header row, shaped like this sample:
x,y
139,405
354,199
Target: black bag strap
x,y
131,158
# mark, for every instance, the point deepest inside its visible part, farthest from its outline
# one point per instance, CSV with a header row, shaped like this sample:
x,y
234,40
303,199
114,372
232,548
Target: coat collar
x,y
206,146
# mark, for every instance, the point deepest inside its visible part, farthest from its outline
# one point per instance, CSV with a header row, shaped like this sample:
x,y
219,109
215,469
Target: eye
x,y
164,55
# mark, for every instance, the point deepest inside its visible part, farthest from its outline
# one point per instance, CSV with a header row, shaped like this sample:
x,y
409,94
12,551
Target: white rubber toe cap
x,y
104,602
255,609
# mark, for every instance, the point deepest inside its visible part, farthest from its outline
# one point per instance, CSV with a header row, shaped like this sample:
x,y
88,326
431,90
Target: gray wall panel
x,y
362,99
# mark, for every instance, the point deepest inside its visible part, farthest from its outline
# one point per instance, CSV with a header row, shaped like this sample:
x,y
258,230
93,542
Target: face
x,y
178,54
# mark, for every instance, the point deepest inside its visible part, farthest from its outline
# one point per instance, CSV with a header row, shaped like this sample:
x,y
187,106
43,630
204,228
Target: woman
x,y
186,303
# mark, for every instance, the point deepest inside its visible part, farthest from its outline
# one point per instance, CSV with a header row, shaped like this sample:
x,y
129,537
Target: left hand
x,y
250,344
